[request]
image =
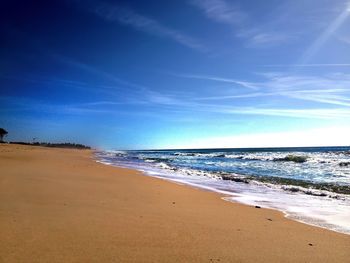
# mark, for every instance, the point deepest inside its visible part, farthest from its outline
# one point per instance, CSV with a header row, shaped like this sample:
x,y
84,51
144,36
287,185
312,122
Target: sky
x,y
176,74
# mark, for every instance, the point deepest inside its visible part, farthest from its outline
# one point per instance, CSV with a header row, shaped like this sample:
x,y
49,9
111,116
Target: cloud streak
x,y
129,17
221,11
244,84
313,113
310,65
268,38
224,12
329,96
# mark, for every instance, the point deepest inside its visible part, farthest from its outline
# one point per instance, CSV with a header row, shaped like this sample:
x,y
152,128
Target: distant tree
x,y
3,132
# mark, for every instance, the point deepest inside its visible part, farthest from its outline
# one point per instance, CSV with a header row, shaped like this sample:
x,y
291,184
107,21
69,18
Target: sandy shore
x,y
59,205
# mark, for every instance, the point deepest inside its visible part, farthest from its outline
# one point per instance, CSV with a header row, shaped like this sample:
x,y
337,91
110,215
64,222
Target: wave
x,y
112,153
206,155
340,159
320,203
287,184
306,187
217,165
154,159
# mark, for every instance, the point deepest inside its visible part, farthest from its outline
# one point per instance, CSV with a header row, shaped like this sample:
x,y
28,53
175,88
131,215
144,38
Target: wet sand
x,y
59,205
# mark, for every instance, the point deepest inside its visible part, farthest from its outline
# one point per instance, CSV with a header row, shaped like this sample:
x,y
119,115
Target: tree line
x,y
3,133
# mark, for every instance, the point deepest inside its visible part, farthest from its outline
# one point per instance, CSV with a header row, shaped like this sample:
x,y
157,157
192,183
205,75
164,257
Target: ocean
x,y
308,184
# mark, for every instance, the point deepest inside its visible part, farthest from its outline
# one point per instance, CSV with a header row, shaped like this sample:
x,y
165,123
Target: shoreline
x,y
230,197
327,211
61,205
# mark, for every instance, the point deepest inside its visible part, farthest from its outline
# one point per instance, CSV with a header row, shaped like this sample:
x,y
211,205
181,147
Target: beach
x,y
60,205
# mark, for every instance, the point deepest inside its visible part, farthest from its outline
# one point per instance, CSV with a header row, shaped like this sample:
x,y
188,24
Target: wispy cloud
x,y
321,98
331,89
221,11
294,113
344,39
289,84
244,84
225,12
329,96
23,104
309,65
114,89
129,17
94,70
114,82
102,103
229,97
268,38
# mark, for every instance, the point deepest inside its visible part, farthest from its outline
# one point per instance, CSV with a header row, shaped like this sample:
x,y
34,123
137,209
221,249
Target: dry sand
x,y
59,205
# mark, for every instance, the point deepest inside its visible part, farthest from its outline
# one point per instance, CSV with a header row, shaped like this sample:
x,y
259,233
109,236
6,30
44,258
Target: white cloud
x,y
129,17
317,113
345,39
310,65
329,96
225,12
330,89
244,84
221,11
265,38
238,96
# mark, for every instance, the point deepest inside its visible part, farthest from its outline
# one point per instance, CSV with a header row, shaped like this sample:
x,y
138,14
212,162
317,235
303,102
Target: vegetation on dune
x,y
3,133
55,145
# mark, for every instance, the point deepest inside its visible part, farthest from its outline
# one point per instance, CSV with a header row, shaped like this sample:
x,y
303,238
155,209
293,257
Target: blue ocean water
x,y
309,184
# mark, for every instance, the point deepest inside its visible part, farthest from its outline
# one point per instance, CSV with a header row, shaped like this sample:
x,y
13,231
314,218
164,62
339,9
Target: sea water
x,y
311,185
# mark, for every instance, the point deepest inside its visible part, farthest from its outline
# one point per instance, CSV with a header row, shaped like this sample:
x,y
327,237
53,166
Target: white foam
x,y
330,213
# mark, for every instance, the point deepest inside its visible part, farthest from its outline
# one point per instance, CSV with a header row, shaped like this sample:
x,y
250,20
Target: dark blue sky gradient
x,y
160,74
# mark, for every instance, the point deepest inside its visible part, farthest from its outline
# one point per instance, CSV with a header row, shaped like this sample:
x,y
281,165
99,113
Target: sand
x,y
59,205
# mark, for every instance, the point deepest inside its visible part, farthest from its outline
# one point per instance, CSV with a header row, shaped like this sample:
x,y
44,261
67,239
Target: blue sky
x,y
176,74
